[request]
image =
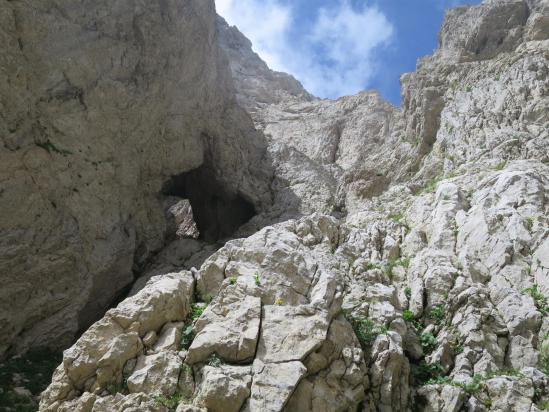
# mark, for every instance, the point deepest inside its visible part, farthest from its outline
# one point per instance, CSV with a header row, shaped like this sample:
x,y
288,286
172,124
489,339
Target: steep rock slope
x,y
100,104
431,245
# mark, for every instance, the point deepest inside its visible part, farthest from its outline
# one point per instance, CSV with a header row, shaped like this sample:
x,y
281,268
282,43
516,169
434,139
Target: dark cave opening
x,y
217,212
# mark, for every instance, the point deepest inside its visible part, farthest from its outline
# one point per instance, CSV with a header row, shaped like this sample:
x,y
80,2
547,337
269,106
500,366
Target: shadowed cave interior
x,y
217,212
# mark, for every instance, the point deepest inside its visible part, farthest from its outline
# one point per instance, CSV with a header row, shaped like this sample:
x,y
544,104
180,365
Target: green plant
x,y
396,217
366,330
475,386
408,292
428,342
51,148
257,279
169,402
404,262
34,371
214,360
540,300
232,280
529,223
388,268
408,316
187,337
431,185
468,89
196,311
416,141
440,380
457,349
501,165
504,372
437,314
424,372
279,302
114,388
543,405
370,266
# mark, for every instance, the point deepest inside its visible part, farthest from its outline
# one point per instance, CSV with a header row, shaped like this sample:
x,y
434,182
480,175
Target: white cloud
x,y
332,57
265,22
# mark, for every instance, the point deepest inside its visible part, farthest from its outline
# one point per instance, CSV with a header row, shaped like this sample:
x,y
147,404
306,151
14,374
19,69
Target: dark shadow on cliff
x,y
217,212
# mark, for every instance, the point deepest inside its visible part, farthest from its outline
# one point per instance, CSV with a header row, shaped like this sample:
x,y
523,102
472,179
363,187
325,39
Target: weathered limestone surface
x,y
99,105
402,263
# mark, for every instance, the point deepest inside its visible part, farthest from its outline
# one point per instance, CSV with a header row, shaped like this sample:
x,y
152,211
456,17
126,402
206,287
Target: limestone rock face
x,y
100,105
257,85
401,265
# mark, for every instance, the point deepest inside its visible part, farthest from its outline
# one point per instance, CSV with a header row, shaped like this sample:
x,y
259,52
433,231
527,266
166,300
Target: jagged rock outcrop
x,y
408,270
99,106
257,86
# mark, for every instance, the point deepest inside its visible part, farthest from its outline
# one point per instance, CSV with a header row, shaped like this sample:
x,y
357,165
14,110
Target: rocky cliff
x,y
404,263
100,106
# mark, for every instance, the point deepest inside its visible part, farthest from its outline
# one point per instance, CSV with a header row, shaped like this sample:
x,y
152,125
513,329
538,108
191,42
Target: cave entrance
x,y
217,212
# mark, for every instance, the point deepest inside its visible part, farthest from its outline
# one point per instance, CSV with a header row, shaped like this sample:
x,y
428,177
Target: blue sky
x,y
340,47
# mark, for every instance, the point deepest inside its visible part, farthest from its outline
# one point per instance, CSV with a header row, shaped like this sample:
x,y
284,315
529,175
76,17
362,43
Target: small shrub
x,y
232,280
114,388
457,349
504,372
431,185
257,279
425,372
397,217
366,330
543,405
408,292
475,386
35,368
214,360
408,316
468,89
187,337
441,380
197,311
371,266
169,402
500,166
529,223
388,269
418,326
405,262
437,314
428,342
188,333
541,302
279,302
